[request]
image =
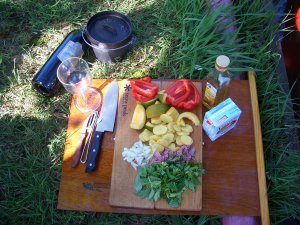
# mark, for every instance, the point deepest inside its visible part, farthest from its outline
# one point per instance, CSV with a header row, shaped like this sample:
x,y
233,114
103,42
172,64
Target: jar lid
x,y
222,62
109,29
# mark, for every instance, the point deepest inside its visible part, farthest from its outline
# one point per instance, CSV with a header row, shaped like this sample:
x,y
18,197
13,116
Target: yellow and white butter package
x,y
221,119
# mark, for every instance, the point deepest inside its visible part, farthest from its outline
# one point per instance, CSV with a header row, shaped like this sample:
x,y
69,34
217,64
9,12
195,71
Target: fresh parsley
x,y
167,180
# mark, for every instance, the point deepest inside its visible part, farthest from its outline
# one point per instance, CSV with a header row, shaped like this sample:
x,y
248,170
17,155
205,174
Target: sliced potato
x,y
170,137
157,147
170,127
172,147
173,113
177,128
166,118
182,133
163,142
141,138
160,129
152,142
178,141
156,120
145,135
186,140
175,136
154,137
181,123
187,128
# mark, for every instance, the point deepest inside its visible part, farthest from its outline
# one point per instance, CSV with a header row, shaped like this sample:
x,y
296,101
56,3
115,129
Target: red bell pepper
x,y
140,97
143,90
192,100
183,94
147,79
177,92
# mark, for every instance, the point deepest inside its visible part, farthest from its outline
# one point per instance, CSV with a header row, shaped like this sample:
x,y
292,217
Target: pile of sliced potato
x,y
167,130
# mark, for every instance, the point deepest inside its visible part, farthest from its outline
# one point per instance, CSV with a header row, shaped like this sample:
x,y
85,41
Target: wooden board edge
x,y
260,162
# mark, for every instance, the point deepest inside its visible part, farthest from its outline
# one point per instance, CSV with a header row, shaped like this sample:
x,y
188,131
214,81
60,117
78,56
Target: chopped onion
x,y
138,155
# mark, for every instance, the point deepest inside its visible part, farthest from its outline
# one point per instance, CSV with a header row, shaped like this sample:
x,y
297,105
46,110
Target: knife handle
x,y
94,152
78,150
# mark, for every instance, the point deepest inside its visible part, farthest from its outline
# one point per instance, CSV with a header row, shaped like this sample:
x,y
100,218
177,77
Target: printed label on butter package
x,y
221,119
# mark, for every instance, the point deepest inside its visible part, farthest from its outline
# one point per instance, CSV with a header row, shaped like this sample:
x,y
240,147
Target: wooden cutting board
x,y
123,175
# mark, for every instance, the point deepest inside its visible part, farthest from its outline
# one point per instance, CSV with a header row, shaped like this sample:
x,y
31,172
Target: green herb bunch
x,y
167,180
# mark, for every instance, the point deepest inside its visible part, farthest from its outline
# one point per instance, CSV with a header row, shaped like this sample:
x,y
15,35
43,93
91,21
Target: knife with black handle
x,y
105,122
94,152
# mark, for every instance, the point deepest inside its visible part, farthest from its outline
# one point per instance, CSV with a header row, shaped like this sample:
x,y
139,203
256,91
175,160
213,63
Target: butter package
x,y
221,119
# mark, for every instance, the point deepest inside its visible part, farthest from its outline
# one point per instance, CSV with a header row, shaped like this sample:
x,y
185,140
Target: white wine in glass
x,y
75,76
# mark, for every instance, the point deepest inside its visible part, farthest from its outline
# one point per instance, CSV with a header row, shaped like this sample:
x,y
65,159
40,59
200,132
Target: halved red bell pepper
x,y
147,79
143,89
183,94
177,92
140,97
192,100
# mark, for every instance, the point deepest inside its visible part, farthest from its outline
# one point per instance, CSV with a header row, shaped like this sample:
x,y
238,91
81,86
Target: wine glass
x,y
75,76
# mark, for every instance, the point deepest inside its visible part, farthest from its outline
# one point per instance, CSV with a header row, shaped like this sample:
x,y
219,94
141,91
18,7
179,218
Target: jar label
x,y
210,94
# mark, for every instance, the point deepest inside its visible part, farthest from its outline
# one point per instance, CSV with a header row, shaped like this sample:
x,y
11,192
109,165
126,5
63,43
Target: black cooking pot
x,y
109,33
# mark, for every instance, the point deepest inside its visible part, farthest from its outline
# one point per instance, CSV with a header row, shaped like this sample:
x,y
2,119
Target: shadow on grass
x,y
31,148
30,162
23,25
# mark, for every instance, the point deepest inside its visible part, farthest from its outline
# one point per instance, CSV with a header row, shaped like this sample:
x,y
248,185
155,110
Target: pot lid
x,y
109,29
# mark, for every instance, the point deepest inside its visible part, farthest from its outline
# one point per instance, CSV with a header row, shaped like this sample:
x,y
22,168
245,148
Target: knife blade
x,y
106,122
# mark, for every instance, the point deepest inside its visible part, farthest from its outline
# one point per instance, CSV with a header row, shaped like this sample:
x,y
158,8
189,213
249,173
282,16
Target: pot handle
x,y
133,40
84,39
83,34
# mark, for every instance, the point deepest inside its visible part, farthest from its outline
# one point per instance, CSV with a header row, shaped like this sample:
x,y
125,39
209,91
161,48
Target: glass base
x,y
89,101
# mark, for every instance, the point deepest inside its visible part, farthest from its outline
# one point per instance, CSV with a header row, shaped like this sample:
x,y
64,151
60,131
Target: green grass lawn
x,y
173,36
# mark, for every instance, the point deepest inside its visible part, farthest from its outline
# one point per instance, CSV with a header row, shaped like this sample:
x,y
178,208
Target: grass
x,y
173,37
